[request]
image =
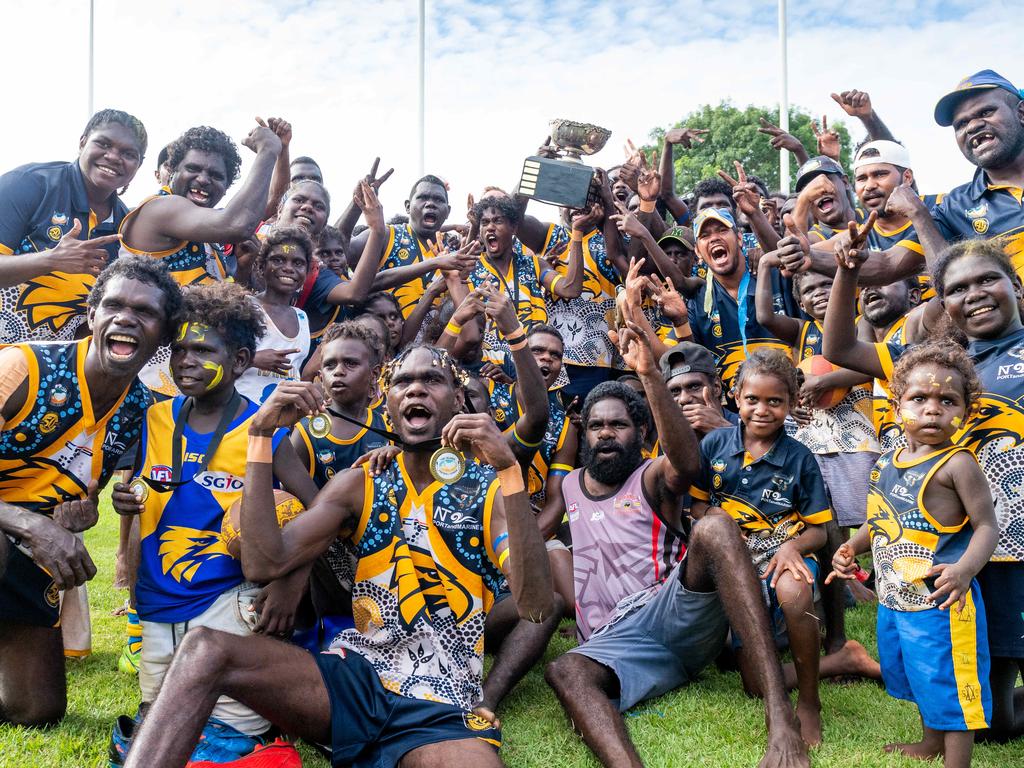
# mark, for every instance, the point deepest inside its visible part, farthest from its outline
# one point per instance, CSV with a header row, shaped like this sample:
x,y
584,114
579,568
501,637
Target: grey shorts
x,y
846,477
662,645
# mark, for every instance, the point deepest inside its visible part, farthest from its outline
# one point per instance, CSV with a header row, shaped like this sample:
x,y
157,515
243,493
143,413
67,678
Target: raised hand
x,y
372,179
80,514
262,138
828,141
635,348
850,252
629,224
373,211
287,405
586,219
648,183
745,193
546,150
685,136
854,103
903,201
794,250
462,261
673,305
495,372
499,308
780,139
479,433
282,128
706,416
80,257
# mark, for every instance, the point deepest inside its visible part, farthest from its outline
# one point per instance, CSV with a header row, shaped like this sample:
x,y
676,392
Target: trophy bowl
x,y
575,139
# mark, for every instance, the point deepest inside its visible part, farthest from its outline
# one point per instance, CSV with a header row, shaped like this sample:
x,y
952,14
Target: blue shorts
x,y
939,660
371,727
1002,588
663,644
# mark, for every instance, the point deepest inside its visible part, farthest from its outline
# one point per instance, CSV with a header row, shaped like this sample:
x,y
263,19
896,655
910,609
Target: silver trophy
x,y
562,178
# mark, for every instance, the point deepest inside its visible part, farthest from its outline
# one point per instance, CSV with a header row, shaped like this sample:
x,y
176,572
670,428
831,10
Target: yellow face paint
x,y
182,332
218,374
287,248
956,421
907,416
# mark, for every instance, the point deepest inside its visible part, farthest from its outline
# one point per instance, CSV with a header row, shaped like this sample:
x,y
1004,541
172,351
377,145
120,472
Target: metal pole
x,y
422,73
783,99
92,14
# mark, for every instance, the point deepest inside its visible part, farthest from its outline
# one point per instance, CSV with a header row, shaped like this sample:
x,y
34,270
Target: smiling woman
x,y
61,219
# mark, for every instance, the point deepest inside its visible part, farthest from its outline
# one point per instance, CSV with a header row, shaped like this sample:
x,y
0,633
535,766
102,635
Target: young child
x,y
932,638
770,484
191,470
283,261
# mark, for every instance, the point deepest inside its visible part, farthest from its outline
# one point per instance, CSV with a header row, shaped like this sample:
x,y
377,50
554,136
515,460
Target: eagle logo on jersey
x,y
53,299
184,550
883,522
732,355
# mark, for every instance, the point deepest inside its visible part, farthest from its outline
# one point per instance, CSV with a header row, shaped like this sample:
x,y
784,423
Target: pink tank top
x,y
619,547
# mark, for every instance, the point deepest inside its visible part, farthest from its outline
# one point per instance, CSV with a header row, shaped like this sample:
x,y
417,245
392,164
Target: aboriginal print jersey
x,y
55,445
906,541
889,430
554,439
521,283
328,455
772,498
404,249
185,563
426,579
584,321
847,426
995,433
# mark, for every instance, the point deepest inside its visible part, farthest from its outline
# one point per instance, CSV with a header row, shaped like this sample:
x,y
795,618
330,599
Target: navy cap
x,y
979,81
815,167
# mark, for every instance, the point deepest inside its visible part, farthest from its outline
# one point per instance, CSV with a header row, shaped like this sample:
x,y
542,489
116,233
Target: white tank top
x,y
257,384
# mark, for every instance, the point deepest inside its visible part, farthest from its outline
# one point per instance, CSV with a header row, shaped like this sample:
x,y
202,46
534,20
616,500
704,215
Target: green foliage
x,y
733,135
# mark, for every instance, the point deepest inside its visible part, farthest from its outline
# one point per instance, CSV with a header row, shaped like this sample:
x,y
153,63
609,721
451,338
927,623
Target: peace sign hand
x,y
828,141
745,193
780,138
850,253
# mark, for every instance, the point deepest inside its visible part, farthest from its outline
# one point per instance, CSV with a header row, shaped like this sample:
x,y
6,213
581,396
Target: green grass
x,y
710,723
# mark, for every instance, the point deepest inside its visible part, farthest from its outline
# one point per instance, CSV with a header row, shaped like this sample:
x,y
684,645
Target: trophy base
x,y
560,182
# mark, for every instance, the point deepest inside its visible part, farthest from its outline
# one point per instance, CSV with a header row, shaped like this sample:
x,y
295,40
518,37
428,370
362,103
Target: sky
x,y
344,73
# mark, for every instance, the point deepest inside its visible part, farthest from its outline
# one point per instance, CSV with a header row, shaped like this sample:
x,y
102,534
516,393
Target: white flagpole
x,y
422,84
783,99
92,14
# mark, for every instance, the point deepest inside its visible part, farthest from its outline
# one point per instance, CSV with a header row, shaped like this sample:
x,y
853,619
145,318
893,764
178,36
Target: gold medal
x,y
447,465
320,425
139,488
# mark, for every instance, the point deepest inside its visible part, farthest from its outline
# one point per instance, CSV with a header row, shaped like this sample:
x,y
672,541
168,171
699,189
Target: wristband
x,y
511,480
453,328
497,541
647,206
563,468
684,330
260,450
524,443
519,342
555,282
576,236
502,558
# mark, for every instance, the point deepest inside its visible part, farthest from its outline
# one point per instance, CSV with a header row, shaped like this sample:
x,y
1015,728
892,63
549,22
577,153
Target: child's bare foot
x,y
861,593
810,722
919,750
857,661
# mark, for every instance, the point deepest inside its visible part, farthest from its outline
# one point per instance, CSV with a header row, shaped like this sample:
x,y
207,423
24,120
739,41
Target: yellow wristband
x,y
555,282
260,450
453,328
576,236
502,558
684,330
647,206
511,480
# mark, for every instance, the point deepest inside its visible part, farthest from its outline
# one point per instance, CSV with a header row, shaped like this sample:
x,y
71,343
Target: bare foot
x,y
852,659
569,630
919,750
785,749
861,593
810,723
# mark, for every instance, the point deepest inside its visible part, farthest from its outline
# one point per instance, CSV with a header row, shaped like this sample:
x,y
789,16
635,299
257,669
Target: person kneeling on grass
x,y
191,470
932,634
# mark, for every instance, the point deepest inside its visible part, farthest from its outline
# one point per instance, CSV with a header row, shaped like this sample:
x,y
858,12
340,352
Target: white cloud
x,y
344,73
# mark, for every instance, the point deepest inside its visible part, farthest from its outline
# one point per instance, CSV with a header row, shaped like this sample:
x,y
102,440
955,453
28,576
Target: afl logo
x,y
161,473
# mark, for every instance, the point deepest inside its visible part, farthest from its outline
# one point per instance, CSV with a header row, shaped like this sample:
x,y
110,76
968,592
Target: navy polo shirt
x,y
718,327
981,210
39,203
783,486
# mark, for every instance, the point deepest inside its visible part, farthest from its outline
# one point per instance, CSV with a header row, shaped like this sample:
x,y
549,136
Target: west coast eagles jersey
x,y
404,249
329,455
55,445
185,563
426,579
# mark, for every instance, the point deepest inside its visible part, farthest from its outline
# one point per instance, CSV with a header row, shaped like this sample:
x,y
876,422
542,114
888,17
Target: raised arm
x,y
354,291
629,224
784,327
570,285
781,140
282,168
748,199
858,104
687,137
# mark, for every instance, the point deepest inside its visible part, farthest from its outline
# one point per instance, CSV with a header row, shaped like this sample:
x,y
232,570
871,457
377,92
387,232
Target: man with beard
x,y
662,636
402,685
67,413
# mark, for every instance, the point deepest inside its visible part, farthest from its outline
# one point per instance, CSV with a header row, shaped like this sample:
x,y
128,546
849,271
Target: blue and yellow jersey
x,y
715,322
404,249
328,455
39,203
56,445
185,565
426,578
906,541
772,498
995,432
189,263
551,444
521,283
583,321
979,209
890,431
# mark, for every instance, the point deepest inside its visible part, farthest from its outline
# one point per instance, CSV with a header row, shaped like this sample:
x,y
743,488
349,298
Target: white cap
x,y
884,152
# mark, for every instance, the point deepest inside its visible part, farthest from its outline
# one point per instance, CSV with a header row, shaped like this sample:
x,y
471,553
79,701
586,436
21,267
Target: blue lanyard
x,y
741,309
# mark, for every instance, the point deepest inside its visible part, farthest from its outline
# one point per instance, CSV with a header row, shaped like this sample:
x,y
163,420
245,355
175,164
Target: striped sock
x,y
134,632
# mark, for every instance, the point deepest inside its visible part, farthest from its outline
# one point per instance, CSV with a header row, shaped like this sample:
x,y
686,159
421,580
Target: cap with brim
x,y
723,215
815,167
882,151
681,235
980,81
687,357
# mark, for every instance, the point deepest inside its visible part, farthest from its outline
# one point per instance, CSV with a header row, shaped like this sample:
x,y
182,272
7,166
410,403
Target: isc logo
x,y
221,481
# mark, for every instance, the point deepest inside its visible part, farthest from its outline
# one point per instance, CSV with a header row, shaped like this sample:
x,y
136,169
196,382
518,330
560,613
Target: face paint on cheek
x,y
218,374
907,416
956,421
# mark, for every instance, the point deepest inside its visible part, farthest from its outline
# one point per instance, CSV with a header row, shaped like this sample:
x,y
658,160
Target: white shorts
x,y
229,613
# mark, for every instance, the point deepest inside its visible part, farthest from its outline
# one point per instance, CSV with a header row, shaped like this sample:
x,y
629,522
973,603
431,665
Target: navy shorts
x,y
371,727
28,595
1002,589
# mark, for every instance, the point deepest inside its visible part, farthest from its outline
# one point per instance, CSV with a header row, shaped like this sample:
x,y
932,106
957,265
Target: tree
x,y
733,135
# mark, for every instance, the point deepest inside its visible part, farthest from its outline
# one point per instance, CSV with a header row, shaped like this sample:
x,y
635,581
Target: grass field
x,y
710,723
